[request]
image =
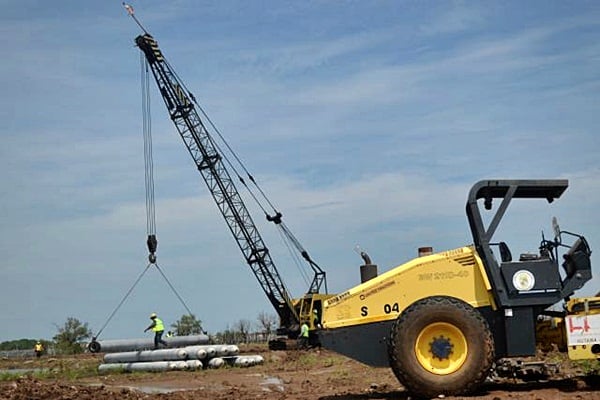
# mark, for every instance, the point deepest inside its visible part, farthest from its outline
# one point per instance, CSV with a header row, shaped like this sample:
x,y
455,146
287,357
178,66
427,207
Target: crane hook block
x,y
276,219
152,245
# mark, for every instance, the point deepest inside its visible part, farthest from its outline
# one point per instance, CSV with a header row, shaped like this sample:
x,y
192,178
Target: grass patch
x,y
52,368
307,360
589,367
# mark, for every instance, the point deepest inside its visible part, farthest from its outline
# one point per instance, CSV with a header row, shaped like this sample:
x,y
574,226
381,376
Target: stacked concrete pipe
x,y
120,345
183,358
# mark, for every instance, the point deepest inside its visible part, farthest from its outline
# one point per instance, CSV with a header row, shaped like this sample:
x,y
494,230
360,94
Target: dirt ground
x,y
294,375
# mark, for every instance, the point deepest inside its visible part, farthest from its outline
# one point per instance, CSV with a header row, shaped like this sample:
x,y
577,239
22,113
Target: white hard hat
x,y
153,315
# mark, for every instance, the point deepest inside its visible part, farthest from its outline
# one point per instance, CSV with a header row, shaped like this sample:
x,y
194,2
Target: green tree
x,y
18,344
187,325
71,335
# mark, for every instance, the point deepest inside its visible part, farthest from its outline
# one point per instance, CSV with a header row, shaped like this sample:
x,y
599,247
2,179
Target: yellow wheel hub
x,y
441,348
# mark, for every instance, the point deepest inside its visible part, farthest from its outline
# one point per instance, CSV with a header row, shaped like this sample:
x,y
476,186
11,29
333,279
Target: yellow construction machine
x,y
441,321
444,321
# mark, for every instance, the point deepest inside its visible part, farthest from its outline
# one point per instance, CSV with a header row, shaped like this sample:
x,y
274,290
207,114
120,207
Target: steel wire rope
x,y
173,289
148,153
226,143
285,234
122,301
149,170
294,257
149,180
148,175
286,231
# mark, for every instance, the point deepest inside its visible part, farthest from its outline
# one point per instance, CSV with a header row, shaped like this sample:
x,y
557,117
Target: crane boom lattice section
x,y
210,165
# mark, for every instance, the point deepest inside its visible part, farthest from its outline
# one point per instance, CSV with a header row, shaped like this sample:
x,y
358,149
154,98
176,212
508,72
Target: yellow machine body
x,y
443,321
310,308
457,273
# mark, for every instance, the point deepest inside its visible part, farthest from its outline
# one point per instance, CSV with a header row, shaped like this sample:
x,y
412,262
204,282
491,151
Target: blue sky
x,y
366,122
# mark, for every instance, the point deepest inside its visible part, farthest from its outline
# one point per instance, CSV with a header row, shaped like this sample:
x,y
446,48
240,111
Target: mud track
x,y
285,375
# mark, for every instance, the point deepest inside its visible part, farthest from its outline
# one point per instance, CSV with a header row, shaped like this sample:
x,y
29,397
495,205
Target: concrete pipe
x,y
121,345
120,367
242,362
216,362
201,354
194,364
232,350
211,351
178,365
196,352
224,350
146,355
256,359
151,366
247,361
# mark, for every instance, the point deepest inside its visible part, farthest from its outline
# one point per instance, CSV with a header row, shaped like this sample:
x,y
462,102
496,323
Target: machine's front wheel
x,y
441,345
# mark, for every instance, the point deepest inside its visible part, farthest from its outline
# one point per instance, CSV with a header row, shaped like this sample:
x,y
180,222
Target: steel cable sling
x,y
151,241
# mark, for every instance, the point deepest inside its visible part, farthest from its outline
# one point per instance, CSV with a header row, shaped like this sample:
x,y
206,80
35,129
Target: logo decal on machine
x,y
523,280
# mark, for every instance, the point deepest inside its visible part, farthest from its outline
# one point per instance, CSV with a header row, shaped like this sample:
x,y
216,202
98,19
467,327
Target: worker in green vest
x,y
158,328
303,338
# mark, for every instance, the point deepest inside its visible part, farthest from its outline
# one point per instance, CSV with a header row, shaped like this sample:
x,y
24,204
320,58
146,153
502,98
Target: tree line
x,y
72,336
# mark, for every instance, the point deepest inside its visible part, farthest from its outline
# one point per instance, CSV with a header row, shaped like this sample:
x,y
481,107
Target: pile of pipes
x,y
188,357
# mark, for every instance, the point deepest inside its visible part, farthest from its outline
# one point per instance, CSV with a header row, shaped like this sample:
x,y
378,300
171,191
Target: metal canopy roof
x,y
549,189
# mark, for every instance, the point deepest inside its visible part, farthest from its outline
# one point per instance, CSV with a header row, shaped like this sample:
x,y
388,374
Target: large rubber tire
x,y
441,345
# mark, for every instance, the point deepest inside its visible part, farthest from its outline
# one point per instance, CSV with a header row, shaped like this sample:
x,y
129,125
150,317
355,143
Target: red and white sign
x,y
583,329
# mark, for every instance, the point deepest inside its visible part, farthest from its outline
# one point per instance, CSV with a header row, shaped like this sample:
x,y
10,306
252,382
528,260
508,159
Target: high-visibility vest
x,y
304,330
39,347
158,325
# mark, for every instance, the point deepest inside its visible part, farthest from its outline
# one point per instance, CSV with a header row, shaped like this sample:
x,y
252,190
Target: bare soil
x,y
294,375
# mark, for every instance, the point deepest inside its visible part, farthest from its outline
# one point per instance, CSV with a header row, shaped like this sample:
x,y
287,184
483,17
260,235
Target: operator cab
x,y
539,273
533,279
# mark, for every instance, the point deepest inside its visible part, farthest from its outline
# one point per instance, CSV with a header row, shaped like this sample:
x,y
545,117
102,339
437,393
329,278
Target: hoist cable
x,y
122,301
149,175
294,257
286,230
236,158
148,157
242,181
276,218
231,151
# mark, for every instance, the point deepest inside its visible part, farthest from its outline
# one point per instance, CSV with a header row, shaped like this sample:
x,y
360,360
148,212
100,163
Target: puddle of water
x,y
272,382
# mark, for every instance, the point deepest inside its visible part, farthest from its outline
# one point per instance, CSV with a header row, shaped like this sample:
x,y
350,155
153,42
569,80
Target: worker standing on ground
x,y
38,348
303,338
158,328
